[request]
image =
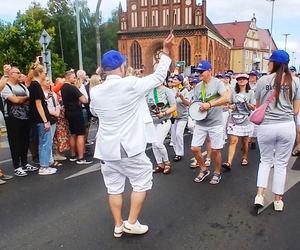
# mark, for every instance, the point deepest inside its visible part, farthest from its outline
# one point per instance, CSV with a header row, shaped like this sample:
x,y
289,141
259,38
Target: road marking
x,y
93,168
292,178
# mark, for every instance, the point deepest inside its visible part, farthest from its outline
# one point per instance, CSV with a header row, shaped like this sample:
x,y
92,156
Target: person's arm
x,y
92,103
296,104
83,99
145,84
184,98
4,78
17,99
40,109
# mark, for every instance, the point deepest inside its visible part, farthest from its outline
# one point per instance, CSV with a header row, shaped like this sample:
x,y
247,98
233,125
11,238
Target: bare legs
x,y
77,143
136,205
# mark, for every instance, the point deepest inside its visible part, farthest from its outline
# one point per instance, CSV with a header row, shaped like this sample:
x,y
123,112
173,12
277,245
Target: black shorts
x,y
76,124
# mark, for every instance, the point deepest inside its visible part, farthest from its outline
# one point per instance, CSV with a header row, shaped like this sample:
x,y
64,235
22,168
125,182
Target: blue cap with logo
x,y
280,56
112,60
203,66
178,77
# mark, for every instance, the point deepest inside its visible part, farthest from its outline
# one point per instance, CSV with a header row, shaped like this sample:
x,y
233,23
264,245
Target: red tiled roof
x,y
264,39
235,30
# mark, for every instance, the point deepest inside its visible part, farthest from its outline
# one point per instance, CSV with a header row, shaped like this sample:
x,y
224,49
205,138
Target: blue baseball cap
x,y
254,73
203,66
112,60
280,56
179,78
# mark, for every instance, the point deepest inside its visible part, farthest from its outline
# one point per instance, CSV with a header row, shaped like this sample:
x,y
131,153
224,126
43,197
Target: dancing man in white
x,y
121,138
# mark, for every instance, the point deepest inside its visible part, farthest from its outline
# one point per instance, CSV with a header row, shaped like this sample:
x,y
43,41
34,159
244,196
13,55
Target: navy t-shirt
x,y
36,93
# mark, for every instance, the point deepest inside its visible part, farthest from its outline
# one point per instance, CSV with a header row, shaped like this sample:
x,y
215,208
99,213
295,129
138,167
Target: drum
x,y
195,113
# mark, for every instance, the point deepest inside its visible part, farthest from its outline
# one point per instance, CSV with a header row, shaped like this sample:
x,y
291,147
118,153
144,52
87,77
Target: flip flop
x,y
244,162
226,165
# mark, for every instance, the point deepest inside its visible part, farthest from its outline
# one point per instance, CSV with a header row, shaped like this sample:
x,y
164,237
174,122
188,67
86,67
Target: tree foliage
x,y
19,41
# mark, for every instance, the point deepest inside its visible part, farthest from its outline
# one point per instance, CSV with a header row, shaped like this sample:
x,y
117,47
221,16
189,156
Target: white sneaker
x,y
2,182
259,200
135,228
118,231
30,168
47,171
20,172
278,205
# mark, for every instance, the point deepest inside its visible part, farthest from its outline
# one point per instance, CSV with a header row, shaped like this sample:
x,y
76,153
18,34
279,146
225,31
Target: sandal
x,y
215,179
202,175
194,164
158,169
296,152
244,162
167,169
177,158
56,164
207,162
226,165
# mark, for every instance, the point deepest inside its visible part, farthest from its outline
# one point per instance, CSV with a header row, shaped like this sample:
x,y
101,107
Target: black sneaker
x,y
83,161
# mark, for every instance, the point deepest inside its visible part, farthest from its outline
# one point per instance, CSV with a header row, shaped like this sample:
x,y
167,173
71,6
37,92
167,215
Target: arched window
x,y
210,52
136,55
185,52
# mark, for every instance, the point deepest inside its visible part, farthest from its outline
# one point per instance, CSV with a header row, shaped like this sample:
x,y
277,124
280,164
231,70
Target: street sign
x,y
180,64
47,62
45,39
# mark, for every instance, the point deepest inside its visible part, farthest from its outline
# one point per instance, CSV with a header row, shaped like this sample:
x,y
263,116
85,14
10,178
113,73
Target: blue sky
x,y
286,16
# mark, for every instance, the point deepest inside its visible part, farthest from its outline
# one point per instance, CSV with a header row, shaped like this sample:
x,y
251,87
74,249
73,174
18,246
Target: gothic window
x,y
154,17
144,19
185,52
188,15
198,18
176,17
144,2
165,1
154,2
166,17
210,52
176,1
136,55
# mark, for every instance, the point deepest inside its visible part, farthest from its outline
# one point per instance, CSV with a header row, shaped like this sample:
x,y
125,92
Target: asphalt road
x,y
51,212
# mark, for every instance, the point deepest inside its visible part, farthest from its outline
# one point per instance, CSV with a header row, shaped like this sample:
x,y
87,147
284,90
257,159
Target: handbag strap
x,y
271,97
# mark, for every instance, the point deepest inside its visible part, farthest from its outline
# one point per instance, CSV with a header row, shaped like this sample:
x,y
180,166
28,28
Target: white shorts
x,y
138,169
215,134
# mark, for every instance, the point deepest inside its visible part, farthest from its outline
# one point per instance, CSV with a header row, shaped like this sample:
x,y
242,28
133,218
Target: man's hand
x,y
168,43
6,69
160,115
204,107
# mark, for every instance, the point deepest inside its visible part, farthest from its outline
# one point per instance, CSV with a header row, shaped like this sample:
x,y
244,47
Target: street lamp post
x,y
272,16
78,35
285,40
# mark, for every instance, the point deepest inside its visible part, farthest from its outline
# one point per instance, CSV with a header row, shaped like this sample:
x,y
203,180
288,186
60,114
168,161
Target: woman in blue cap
x,y
276,135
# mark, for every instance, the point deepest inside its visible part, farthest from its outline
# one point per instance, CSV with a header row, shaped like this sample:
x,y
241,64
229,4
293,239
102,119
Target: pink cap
x,y
242,76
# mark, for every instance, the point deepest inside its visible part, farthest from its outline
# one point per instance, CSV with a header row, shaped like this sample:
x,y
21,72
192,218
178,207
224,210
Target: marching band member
x,y
276,135
243,100
180,120
121,138
161,102
212,92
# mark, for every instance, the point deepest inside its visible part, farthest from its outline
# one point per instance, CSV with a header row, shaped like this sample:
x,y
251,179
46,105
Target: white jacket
x,y
119,103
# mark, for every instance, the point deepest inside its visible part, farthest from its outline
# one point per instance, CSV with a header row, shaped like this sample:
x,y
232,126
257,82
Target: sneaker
x,y
20,172
30,168
118,231
278,206
135,228
2,182
59,157
73,158
47,171
6,177
83,161
259,200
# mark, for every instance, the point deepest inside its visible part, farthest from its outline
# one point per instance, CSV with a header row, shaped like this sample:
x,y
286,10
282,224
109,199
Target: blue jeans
x,y
45,145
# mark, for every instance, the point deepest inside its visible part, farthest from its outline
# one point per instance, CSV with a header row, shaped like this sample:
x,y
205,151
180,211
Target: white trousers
x,y
177,132
191,124
159,150
276,143
225,123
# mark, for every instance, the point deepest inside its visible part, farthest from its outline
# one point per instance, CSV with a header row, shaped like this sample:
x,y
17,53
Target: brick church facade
x,y
147,22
